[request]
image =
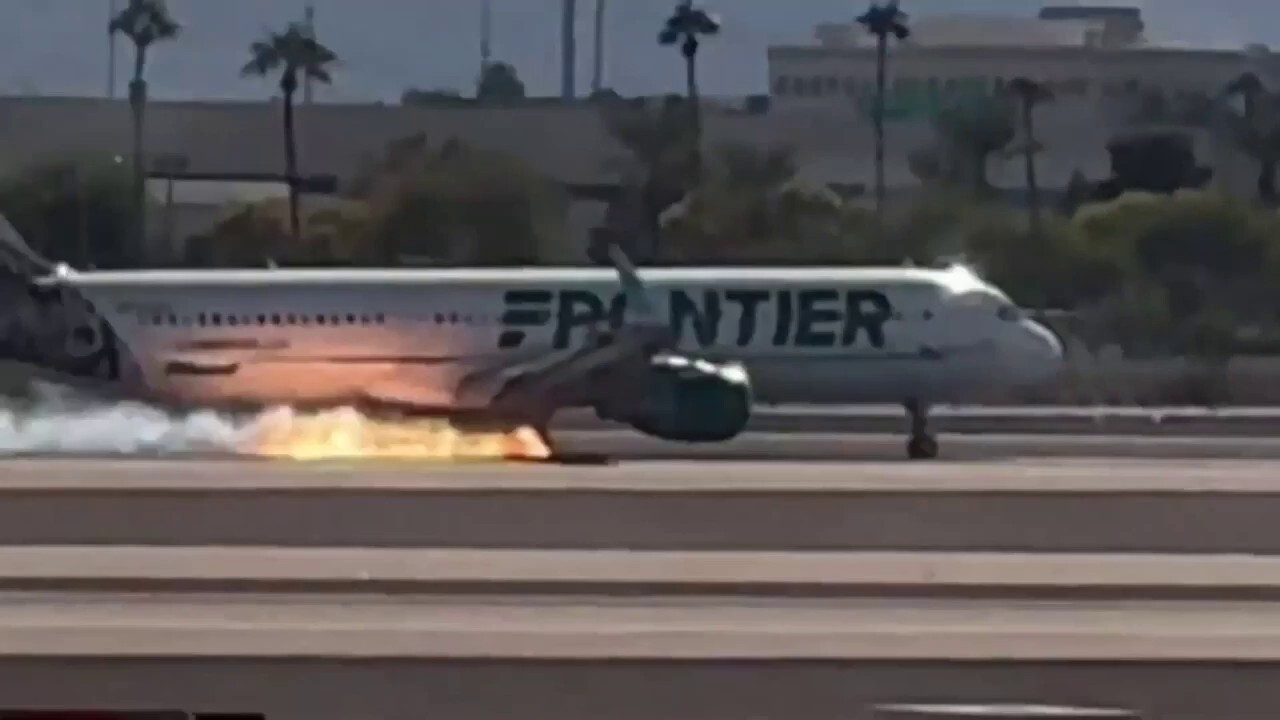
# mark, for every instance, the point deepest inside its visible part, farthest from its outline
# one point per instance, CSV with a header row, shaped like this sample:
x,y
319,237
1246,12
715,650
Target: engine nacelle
x,y
686,400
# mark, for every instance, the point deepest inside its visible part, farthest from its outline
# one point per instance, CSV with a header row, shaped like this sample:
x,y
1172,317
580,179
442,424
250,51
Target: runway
x,y
630,573
623,445
1014,505
658,629
784,576
954,446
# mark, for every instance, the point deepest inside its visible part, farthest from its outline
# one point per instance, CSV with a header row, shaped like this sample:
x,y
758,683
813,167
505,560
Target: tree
x,y
1258,131
604,95
882,21
294,51
751,208
687,24
455,203
430,98
258,234
660,144
499,83
77,210
1156,162
1204,257
145,23
1030,94
970,132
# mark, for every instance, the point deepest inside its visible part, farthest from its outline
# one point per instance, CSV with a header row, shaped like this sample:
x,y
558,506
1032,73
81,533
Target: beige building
x,y
1090,54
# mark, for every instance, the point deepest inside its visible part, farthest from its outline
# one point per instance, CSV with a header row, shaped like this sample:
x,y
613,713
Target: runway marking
x,y
864,631
703,568
1107,476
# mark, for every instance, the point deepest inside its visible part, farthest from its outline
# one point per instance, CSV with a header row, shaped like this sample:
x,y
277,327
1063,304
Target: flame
x,y
345,433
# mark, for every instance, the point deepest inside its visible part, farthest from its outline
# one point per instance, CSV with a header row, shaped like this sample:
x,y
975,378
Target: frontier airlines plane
x,y
680,354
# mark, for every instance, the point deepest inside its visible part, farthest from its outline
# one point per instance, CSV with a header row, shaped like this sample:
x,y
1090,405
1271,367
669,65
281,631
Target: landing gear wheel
x,y
922,447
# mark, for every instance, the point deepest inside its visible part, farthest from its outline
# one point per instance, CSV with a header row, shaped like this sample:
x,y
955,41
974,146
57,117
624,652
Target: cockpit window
x,y
1009,313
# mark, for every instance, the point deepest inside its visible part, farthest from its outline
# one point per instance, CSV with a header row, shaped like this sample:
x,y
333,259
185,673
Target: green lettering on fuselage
x,y
808,318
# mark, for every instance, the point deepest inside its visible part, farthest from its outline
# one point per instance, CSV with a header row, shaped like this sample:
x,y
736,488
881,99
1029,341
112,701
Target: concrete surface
x,y
1036,419
342,689
555,628
603,572
974,446
997,711
341,656
1071,505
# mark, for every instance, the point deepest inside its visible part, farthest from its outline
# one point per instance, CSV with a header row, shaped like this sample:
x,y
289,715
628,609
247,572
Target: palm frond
x,y
145,22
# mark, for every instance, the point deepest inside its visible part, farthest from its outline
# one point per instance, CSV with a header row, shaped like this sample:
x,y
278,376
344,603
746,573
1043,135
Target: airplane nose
x,y
1050,344
1042,353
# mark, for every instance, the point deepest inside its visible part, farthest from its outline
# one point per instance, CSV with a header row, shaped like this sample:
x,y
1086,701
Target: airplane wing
x,y
540,383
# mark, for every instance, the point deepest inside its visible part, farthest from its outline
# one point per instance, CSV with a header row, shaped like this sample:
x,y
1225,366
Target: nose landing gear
x,y
921,444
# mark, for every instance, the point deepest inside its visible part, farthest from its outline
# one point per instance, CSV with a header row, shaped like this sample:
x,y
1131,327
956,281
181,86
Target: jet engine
x,y
685,400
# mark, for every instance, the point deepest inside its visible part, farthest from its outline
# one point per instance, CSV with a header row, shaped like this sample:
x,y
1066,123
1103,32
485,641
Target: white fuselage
x,y
820,335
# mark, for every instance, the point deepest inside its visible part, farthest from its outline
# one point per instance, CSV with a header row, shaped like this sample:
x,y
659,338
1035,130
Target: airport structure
x,y
1098,61
1093,54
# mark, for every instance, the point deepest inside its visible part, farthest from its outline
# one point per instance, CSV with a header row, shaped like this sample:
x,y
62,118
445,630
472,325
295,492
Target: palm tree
x,y
970,133
686,25
144,22
1257,135
293,52
882,21
1030,94
659,144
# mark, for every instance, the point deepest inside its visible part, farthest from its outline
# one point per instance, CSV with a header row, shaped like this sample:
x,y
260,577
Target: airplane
x,y
681,354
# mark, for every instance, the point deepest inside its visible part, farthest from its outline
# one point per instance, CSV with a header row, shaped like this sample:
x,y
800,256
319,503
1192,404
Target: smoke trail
x,y
60,421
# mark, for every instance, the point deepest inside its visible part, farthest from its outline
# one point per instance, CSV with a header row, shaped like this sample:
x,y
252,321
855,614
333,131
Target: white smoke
x,y
58,420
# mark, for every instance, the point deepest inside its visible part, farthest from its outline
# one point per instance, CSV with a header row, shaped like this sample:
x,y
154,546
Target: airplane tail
x,y
52,327
18,257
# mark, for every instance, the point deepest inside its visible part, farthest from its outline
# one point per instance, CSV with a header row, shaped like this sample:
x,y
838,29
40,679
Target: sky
x,y
59,47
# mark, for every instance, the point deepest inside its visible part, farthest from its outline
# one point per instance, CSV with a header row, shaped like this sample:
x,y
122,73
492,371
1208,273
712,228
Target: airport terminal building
x,y
1098,61
1091,54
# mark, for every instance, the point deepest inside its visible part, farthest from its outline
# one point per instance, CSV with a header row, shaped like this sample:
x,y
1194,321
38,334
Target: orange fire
x,y
346,433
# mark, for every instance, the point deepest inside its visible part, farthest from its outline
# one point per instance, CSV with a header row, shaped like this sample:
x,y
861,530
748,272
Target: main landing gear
x,y
921,444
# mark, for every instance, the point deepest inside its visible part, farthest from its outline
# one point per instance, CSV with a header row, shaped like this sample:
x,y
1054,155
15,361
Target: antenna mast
x,y
486,34
111,51
597,67
309,22
568,48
